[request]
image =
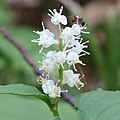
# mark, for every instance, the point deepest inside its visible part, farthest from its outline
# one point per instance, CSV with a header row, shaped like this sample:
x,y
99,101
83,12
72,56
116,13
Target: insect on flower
x,y
76,20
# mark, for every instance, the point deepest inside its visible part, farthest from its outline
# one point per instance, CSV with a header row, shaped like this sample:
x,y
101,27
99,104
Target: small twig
x,y
24,53
68,98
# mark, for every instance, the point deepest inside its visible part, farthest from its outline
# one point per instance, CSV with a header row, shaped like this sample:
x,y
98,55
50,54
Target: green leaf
x,y
21,89
99,105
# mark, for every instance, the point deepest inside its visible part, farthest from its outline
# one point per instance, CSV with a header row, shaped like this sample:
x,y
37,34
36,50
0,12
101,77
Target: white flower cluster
x,y
71,48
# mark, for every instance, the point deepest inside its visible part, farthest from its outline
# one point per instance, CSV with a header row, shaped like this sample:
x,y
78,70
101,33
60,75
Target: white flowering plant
x,y
93,105
70,49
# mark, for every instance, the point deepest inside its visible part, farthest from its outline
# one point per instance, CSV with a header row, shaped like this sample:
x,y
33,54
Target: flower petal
x,y
63,20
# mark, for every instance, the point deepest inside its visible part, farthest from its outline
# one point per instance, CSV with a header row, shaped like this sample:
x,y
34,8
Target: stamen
x,y
34,40
86,52
74,67
55,11
82,77
82,54
64,90
43,26
84,27
81,63
68,50
37,32
41,50
40,80
77,19
77,37
49,15
83,46
62,66
43,54
43,74
61,9
66,46
85,32
81,40
51,12
39,62
79,84
57,83
85,42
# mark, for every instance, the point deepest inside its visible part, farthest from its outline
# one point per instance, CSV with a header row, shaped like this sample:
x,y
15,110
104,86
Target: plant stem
x,y
60,76
55,112
60,44
54,107
61,69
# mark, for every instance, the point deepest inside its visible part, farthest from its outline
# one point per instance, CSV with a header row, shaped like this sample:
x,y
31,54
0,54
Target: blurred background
x,y
21,17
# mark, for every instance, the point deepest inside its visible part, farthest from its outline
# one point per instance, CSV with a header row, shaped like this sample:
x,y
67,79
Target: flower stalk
x,y
60,76
71,48
54,110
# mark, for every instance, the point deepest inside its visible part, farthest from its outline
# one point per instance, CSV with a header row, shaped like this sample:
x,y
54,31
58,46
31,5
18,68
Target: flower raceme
x,y
71,49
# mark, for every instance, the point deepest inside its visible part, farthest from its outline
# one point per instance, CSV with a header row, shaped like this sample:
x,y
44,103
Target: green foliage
x,y
20,89
56,118
26,90
99,105
106,55
13,107
13,68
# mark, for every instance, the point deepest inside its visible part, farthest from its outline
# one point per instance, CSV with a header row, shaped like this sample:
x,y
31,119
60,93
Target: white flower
x,y
46,38
47,86
76,29
73,58
68,37
56,91
60,58
50,54
47,65
57,18
72,79
78,47
50,88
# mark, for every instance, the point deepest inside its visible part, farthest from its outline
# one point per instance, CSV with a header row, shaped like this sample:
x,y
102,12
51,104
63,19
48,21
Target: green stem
x,y
61,69
55,112
60,44
54,107
60,76
60,40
